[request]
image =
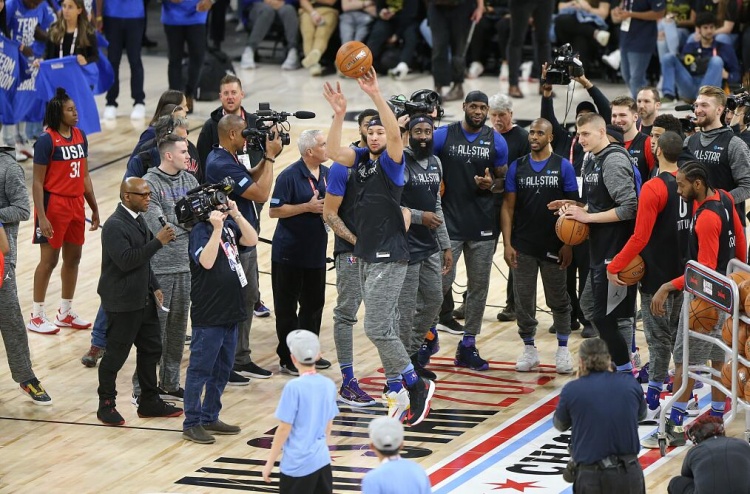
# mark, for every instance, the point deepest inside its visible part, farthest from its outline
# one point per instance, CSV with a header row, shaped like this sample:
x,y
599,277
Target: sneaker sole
x,y
222,432
261,314
166,397
357,404
530,369
238,384
442,327
254,376
169,415
485,367
37,331
198,441
71,326
88,363
564,372
426,412
36,402
111,424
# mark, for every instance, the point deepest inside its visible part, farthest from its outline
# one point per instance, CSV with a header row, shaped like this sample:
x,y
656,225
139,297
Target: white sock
x,y
38,309
65,305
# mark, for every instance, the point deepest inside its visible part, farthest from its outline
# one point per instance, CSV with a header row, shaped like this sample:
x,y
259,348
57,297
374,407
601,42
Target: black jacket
x,y
209,135
126,279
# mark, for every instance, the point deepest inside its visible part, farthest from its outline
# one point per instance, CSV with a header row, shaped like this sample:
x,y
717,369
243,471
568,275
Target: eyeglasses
x,y
142,194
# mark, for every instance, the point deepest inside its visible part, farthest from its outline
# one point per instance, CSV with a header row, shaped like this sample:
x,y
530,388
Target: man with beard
x,y
611,203
716,236
625,116
648,103
725,155
381,248
422,293
531,245
474,158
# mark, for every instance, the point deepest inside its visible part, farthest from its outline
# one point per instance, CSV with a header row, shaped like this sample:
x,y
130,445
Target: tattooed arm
x,y
331,216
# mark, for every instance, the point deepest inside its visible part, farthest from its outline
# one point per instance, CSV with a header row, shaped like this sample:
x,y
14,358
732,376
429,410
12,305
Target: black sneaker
x,y
589,331
450,326
252,370
468,356
158,408
322,363
508,314
108,414
420,370
288,369
574,325
237,380
34,390
420,394
460,312
178,395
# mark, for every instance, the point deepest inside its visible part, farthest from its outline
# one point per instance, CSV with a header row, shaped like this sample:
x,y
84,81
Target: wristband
x,y
269,159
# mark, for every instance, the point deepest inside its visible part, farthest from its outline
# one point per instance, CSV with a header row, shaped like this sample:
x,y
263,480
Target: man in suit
x,y
130,295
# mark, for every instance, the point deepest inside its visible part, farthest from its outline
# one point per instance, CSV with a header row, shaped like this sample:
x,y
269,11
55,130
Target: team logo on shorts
x,y
39,233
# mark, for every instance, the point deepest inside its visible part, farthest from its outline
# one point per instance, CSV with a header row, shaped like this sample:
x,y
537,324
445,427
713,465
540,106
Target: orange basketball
x,y
354,59
739,277
742,377
633,272
747,348
570,231
703,316
726,335
744,291
726,375
745,302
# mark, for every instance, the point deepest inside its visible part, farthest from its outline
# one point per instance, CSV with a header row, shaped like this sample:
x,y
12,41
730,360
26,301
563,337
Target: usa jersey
x,y
65,159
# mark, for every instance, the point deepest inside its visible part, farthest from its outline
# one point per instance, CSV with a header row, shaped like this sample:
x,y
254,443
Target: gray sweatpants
x,y
478,259
347,304
381,286
660,333
176,290
420,300
555,294
249,261
13,329
624,324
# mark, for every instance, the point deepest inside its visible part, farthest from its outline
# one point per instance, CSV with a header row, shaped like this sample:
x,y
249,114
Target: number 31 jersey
x,y
65,159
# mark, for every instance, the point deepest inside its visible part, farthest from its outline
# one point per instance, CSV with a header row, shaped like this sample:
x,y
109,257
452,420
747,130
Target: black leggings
x,y
520,11
195,37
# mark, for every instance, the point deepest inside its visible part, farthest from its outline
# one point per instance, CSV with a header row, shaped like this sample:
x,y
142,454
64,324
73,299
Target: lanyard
x,y
312,184
72,44
572,146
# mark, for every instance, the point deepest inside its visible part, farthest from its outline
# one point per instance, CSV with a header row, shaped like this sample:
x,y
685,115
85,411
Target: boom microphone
x,y
304,114
683,108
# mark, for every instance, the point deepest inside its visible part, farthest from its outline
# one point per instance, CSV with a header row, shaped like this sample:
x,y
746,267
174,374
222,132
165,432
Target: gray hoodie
x,y
739,162
166,190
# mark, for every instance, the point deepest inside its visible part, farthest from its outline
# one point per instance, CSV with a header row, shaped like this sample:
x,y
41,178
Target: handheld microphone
x,y
162,221
683,108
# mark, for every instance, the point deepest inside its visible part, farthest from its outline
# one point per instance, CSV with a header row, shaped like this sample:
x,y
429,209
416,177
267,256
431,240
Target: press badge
x,y
244,160
625,25
233,256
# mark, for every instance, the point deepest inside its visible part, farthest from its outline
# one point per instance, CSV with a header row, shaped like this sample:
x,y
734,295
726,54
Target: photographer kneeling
x,y
604,441
217,294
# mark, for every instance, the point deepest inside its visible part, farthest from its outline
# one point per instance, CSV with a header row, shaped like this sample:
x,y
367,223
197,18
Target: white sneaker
x,y
110,112
504,72
398,404
613,59
71,320
40,324
138,113
475,70
20,156
312,58
292,60
399,71
602,37
563,360
529,359
316,70
26,148
248,59
526,70
651,416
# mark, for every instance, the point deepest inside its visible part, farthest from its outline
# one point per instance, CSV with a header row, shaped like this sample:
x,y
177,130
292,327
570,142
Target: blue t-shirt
x,y
602,427
22,23
501,147
396,476
308,403
221,164
641,36
67,73
12,66
568,175
124,9
338,175
183,13
299,240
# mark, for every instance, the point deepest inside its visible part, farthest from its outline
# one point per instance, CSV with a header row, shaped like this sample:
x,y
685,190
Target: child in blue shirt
x,y
386,439
305,411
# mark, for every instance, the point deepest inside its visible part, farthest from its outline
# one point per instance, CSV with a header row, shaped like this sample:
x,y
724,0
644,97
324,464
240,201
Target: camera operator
x,y
716,463
298,253
566,143
252,186
218,307
604,437
739,123
725,154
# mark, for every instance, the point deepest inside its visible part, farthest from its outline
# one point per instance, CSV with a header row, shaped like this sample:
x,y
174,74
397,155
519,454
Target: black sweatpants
x,y
318,482
194,36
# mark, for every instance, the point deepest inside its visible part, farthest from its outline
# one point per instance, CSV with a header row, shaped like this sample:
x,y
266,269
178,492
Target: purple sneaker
x,y
352,395
468,356
428,348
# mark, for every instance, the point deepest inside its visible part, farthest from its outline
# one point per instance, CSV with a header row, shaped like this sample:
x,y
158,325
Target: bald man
x,y
130,297
531,246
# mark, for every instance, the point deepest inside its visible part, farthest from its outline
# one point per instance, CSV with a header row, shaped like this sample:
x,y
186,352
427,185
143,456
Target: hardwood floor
x,y
477,418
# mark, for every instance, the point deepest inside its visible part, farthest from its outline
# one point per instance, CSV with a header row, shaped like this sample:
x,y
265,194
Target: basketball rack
x,y
721,292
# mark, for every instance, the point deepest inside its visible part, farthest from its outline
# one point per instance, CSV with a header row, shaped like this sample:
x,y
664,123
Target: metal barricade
x,y
722,292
